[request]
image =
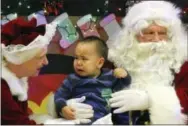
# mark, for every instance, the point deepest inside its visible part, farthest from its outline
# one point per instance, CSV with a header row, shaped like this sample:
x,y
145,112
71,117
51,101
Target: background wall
x,y
54,47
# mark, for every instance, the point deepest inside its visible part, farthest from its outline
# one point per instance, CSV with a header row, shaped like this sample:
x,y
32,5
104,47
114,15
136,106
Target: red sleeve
x,y
183,96
181,83
12,111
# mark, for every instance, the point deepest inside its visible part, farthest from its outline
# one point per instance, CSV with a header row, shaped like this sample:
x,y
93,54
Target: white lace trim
x,y
12,51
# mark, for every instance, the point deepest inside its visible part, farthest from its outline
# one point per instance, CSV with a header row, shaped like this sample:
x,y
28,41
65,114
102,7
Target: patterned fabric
x,y
97,91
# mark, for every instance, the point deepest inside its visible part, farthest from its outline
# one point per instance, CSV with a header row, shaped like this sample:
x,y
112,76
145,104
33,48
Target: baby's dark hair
x,y
100,44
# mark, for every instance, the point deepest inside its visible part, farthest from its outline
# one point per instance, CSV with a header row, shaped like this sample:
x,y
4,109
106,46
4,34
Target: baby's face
x,y
87,60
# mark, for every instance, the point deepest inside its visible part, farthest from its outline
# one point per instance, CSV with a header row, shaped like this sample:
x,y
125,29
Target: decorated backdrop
x,y
76,19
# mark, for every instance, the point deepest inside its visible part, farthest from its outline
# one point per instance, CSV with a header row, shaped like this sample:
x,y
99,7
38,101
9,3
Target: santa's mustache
x,y
150,55
161,47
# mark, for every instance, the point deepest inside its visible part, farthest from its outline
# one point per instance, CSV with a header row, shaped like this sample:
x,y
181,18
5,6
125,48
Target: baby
x,y
90,80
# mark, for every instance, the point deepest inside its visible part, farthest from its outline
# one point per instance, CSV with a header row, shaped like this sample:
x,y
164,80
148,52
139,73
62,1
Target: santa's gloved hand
x,y
131,99
83,112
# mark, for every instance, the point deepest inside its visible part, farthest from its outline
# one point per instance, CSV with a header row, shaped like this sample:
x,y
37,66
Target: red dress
x,y
13,112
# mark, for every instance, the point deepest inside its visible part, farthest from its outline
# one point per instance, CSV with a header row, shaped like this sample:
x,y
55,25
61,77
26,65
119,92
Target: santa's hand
x,y
120,73
127,100
83,111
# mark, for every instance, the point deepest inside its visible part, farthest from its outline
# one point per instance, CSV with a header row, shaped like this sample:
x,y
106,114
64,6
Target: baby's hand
x,y
68,113
120,73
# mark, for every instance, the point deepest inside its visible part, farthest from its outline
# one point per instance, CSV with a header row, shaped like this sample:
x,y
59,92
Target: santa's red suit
x,y
181,86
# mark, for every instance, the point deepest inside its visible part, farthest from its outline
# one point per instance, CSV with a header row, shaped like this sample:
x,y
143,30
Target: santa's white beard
x,y
149,63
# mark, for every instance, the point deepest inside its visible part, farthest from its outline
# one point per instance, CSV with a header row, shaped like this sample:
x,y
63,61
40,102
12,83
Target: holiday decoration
x,y
53,6
41,19
87,26
77,7
185,11
67,30
110,25
106,4
7,18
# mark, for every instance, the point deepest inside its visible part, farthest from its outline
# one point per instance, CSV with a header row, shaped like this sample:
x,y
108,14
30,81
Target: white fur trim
x,y
152,10
84,20
8,18
18,87
164,107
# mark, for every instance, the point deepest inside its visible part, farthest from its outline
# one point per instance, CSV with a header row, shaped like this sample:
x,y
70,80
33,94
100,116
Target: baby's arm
x,y
68,113
123,79
61,96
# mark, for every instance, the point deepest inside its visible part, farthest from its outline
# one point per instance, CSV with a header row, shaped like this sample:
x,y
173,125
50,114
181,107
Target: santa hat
x,y
22,40
152,10
7,18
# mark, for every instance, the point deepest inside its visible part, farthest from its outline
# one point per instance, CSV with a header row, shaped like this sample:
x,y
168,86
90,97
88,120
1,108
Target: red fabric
x,y
40,86
13,112
20,31
181,85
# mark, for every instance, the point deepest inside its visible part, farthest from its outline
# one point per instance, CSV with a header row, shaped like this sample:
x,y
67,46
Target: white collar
x,y
18,87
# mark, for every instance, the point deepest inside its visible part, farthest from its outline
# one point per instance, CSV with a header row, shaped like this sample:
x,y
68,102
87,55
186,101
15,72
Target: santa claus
x,y
152,46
